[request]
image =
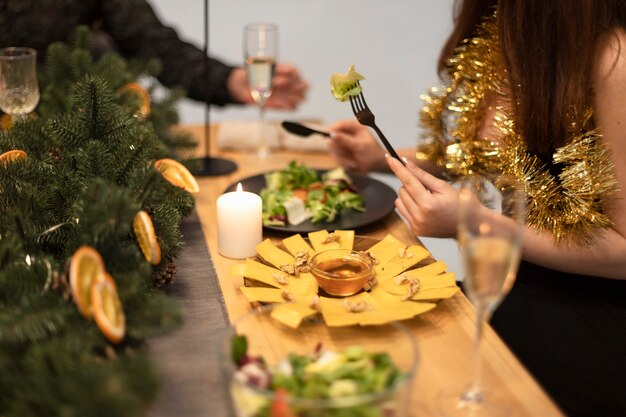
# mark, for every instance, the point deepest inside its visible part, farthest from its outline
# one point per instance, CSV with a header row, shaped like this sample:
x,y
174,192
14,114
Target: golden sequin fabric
x,y
570,204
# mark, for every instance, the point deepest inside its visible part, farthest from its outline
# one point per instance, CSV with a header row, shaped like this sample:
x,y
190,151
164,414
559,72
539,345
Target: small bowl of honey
x,y
341,272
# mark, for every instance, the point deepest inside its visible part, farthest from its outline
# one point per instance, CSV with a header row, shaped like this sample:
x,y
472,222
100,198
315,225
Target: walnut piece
x,y
357,306
332,237
371,283
301,263
315,303
288,269
280,278
287,296
413,288
403,278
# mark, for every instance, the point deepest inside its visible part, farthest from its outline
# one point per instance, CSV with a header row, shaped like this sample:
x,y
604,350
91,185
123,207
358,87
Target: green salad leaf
x,y
345,85
239,348
297,193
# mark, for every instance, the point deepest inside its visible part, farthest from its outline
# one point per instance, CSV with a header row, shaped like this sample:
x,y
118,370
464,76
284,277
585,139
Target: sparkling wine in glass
x,y
490,224
260,45
19,90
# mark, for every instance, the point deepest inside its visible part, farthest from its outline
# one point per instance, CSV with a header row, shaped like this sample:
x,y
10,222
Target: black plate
x,y
379,203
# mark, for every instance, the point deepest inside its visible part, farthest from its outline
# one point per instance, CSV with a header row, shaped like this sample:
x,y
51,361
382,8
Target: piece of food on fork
x,y
344,86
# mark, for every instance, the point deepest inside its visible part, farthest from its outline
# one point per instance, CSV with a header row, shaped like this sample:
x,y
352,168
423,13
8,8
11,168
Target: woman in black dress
x,y
535,89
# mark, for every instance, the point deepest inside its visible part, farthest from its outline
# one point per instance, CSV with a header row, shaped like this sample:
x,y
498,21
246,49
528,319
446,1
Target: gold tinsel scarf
x,y
569,205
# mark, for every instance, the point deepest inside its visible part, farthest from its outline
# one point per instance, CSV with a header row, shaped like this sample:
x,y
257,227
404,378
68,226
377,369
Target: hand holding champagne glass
x,y
490,224
19,90
260,53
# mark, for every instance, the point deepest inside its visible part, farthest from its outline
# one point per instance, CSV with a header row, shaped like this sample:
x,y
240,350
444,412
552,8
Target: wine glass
x,y
260,47
490,224
19,90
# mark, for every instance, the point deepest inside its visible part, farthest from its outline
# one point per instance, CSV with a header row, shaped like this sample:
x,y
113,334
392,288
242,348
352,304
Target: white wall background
x,y
393,43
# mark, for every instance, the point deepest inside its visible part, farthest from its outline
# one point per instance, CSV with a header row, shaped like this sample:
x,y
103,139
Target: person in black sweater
x,y
132,28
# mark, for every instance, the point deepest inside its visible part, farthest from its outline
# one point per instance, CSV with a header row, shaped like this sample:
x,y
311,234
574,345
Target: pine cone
x,y
166,274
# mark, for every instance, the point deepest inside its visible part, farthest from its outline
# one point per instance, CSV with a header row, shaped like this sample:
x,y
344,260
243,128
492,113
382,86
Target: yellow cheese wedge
x,y
272,254
308,277
336,315
296,243
317,240
336,305
291,314
435,293
303,285
346,239
263,294
432,269
371,318
437,281
392,308
397,264
340,319
386,249
387,308
426,282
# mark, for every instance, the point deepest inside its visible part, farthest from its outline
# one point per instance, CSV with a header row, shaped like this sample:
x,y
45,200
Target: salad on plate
x,y
299,193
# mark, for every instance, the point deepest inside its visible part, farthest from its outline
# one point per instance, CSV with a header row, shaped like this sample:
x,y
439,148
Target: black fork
x,y
365,116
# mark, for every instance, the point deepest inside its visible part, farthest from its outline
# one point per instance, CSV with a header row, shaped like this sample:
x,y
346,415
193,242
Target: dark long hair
x,y
548,48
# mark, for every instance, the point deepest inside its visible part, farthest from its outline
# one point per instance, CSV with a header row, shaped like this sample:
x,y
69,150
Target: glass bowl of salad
x,y
272,370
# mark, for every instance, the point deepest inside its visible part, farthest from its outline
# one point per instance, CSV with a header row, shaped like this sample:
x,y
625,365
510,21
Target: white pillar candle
x,y
239,223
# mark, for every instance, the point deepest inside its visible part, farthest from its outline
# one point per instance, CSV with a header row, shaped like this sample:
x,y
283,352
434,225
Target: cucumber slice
x,y
345,85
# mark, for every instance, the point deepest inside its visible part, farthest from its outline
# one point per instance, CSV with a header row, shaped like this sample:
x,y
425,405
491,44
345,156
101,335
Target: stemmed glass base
x,y
464,401
212,167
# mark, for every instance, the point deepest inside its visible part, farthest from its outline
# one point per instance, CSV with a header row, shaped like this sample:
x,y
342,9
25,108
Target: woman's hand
x,y
353,146
288,88
428,204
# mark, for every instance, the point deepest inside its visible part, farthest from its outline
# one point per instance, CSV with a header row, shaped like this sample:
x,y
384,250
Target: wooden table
x,y
444,334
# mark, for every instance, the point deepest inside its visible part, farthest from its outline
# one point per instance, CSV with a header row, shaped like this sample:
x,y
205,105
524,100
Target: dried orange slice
x,y
177,174
107,309
12,156
144,97
6,122
146,237
86,267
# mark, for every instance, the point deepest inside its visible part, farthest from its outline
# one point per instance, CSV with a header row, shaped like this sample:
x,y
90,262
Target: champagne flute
x,y
260,53
19,90
490,224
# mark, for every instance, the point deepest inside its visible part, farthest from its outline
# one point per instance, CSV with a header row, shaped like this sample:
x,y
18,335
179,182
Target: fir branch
x,y
118,130
93,104
94,160
81,39
157,314
32,322
130,162
66,129
88,173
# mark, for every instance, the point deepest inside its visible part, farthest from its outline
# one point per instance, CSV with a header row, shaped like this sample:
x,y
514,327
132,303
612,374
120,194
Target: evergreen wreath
x,y
89,170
